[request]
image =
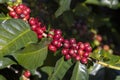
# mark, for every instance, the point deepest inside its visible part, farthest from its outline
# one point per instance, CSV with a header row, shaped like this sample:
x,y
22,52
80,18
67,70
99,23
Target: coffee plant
x,y
59,39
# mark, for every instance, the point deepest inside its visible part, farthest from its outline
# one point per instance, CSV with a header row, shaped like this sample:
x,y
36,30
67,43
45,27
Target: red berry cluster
x,y
37,27
78,51
56,35
21,11
71,49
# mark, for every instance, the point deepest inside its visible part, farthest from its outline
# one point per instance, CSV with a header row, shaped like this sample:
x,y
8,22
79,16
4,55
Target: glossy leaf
x,y
2,77
80,72
4,62
110,3
15,34
61,68
64,6
32,56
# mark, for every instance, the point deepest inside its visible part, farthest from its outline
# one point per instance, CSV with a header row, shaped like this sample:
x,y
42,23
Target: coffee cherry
x,y
59,45
67,57
71,52
66,45
80,52
39,36
82,46
98,37
58,31
32,21
57,36
72,40
86,54
106,47
18,10
61,39
73,45
52,48
39,31
12,13
84,60
27,73
64,51
34,27
55,42
78,58
88,49
86,44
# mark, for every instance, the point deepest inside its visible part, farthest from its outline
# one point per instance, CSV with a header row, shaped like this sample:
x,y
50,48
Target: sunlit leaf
x,y
15,34
4,62
80,72
109,3
32,56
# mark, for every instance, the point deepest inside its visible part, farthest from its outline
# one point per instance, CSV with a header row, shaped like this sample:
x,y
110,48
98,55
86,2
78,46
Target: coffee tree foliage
x,y
93,21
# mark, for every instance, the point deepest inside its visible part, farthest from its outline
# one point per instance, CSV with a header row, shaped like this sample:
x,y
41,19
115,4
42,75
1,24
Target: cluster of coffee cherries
x,y
57,39
79,51
70,48
37,27
20,11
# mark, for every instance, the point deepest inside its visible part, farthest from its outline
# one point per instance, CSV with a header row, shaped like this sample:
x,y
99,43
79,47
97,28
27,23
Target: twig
x,y
108,65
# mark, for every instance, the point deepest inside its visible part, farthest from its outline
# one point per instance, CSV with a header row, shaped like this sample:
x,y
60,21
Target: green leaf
x,y
15,34
61,68
81,10
47,69
64,6
2,77
4,62
32,56
80,72
3,17
96,54
92,1
4,1
109,3
117,78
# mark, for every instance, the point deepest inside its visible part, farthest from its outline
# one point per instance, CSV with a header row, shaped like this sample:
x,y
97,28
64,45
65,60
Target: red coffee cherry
x,y
84,60
52,48
27,73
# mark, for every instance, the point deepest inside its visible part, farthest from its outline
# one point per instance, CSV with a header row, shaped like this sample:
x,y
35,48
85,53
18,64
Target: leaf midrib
x,y
32,52
13,40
